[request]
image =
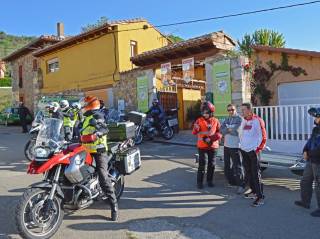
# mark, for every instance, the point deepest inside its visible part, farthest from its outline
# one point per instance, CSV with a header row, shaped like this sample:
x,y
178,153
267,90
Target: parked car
x,y
11,116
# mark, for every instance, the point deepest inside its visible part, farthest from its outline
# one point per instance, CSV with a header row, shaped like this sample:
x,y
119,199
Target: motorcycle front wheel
x,y
28,149
35,219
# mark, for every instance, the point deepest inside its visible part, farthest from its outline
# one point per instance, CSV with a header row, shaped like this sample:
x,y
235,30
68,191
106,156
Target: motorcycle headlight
x,y
41,153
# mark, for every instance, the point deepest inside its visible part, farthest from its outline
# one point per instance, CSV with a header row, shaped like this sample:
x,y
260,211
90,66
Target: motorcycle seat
x,y
113,147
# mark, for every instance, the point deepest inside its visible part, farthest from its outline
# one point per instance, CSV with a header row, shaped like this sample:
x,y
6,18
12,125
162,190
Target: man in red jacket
x,y
207,128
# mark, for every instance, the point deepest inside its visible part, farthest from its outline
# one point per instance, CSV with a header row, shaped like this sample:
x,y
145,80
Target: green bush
x,y
5,82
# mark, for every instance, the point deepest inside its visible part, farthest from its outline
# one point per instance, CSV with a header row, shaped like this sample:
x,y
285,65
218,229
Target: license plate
x,y
173,122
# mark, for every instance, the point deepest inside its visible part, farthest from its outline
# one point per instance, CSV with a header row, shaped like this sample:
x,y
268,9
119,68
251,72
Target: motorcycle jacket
x,y
208,132
100,145
157,112
68,118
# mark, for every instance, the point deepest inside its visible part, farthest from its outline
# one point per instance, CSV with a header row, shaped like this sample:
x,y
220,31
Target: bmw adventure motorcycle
x,y
70,180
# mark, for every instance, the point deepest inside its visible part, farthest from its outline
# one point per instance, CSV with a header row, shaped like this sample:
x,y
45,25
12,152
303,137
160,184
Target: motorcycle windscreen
x,y
51,133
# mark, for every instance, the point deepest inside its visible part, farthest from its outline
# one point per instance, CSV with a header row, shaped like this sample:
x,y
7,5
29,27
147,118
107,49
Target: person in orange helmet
x,y
207,128
99,149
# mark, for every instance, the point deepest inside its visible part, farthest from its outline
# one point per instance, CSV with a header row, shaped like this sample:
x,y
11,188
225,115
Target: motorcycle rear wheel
x,y
30,215
119,187
167,133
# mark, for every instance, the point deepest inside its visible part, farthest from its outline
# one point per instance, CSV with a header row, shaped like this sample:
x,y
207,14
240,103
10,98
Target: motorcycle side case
x,y
128,161
121,131
136,117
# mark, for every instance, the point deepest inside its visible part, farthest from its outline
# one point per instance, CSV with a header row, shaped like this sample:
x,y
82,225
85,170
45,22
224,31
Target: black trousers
x,y
311,174
24,125
233,170
253,172
211,153
102,161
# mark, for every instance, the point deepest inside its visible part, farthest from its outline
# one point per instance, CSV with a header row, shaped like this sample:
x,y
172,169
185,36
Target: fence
x,y
288,126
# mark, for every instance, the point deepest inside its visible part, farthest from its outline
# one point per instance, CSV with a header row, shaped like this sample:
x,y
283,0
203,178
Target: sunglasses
x,y
231,110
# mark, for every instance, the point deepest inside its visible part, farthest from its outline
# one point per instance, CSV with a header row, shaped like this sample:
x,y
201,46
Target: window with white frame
x,y
133,48
53,65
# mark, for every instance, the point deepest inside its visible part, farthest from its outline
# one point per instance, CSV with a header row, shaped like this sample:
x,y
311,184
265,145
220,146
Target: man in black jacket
x,y
311,153
23,114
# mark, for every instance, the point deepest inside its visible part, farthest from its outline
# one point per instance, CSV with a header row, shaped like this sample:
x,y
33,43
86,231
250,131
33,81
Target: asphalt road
x,y
161,201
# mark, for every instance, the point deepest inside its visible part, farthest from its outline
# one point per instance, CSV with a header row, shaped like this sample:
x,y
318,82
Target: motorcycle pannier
x,y
136,117
121,131
128,161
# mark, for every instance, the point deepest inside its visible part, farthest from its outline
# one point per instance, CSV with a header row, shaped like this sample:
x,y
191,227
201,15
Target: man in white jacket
x,y
253,139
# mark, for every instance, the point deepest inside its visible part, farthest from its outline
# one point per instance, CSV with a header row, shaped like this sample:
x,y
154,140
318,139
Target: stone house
x,y
24,70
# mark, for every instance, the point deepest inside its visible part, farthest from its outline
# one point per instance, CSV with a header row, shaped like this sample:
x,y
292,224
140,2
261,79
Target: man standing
x,y
253,139
23,114
68,119
311,173
230,131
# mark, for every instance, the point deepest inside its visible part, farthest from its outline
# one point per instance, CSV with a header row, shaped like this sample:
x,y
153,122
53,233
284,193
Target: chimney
x,y
60,30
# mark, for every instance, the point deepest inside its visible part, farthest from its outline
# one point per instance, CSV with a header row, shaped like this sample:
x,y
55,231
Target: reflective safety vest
x,y
67,121
207,128
100,143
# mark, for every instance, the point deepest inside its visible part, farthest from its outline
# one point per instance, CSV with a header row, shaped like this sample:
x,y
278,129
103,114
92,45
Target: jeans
x,y
252,172
102,161
234,174
311,173
211,153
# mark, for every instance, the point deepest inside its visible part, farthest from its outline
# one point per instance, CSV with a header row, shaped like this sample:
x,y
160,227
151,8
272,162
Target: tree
x,y
103,20
260,37
175,38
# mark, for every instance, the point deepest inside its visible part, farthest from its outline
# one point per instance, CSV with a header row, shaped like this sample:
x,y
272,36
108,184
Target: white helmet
x,y
53,106
64,104
76,105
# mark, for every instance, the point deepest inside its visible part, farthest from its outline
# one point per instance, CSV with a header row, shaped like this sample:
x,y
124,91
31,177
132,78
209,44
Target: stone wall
x,y
29,89
126,88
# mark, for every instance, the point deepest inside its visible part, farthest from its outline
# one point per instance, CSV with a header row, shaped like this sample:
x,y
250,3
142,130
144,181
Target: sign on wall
x,y
142,93
188,69
166,74
221,86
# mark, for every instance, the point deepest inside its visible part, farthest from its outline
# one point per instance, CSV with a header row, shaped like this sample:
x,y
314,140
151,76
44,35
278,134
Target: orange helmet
x,y
90,103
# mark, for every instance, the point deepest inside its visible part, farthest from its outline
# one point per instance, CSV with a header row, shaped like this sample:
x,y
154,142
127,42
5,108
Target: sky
x,y
300,25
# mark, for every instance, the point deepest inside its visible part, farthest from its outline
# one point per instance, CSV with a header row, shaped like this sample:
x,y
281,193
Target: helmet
x,y
314,112
64,104
53,107
76,105
90,103
155,101
207,107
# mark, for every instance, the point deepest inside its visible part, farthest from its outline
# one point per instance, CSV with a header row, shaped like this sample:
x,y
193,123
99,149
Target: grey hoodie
x,y
231,140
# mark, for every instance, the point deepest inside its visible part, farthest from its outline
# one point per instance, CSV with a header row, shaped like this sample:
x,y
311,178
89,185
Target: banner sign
x,y
221,86
142,93
166,74
188,69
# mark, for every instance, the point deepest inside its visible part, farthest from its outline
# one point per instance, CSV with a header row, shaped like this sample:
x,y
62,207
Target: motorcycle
x,y
35,127
70,179
148,128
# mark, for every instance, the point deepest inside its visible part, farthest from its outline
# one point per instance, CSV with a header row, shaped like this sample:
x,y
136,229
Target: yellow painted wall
x,y
84,65
93,63
147,40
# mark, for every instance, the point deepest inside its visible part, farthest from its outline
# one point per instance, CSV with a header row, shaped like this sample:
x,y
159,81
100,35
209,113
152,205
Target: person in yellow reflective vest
x,y
68,119
99,148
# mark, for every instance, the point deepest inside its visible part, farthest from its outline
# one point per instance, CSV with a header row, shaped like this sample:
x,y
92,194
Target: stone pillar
x,y
240,81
